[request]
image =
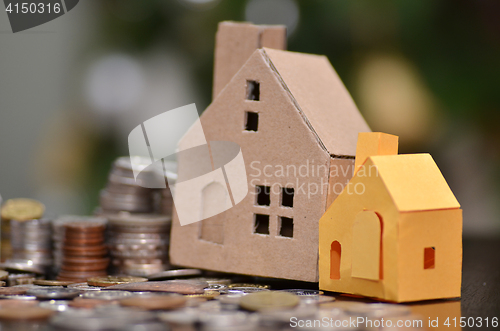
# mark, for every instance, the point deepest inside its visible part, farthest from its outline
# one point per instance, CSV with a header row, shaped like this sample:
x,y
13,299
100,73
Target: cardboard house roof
x,y
414,182
321,98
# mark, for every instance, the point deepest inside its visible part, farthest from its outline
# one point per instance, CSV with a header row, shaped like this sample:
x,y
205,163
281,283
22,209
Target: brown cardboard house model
x,y
395,232
297,127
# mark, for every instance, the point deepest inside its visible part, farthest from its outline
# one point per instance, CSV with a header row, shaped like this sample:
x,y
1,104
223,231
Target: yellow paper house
x,y
395,232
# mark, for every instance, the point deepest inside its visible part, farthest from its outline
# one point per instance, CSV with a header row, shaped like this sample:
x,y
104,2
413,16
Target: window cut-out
x,y
335,256
252,121
261,224
287,194
253,90
286,227
429,257
263,195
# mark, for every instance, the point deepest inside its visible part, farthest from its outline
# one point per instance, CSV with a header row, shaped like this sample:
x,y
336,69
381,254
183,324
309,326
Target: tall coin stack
x,y
84,251
58,230
138,243
16,209
125,193
32,240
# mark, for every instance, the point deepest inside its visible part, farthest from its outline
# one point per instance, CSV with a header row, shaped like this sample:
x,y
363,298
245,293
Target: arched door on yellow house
x,y
367,246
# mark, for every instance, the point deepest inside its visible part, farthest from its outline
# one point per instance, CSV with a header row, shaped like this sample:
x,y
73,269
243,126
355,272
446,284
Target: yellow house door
x,y
366,246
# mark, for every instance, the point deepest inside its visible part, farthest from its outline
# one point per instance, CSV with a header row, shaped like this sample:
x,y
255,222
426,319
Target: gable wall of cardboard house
x,y
282,140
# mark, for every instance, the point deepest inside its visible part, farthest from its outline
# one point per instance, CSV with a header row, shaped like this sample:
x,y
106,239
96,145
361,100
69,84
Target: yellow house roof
x,y
321,97
414,182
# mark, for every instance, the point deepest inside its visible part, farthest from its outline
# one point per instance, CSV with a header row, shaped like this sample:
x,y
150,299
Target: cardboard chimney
x,y
395,232
297,127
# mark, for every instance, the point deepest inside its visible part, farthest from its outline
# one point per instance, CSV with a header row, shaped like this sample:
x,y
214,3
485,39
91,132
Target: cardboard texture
x,y
282,148
235,42
417,211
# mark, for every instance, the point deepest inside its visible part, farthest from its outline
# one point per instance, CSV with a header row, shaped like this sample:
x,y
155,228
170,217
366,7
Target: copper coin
x,y
85,261
80,276
6,303
87,303
84,268
77,249
47,282
70,237
27,313
83,242
163,302
84,253
175,286
12,290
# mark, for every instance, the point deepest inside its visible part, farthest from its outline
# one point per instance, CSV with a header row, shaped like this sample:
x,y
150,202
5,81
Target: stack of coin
x,y
126,193
32,240
20,210
138,243
84,251
58,227
166,199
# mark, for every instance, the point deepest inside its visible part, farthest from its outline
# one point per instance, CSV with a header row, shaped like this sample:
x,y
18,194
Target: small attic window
x,y
253,90
252,121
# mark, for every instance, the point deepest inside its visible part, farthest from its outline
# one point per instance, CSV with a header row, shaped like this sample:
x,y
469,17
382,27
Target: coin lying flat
x,y
12,290
27,313
303,292
87,303
22,209
174,274
56,305
84,287
5,303
174,286
114,280
268,300
163,302
46,282
209,295
53,293
239,285
106,295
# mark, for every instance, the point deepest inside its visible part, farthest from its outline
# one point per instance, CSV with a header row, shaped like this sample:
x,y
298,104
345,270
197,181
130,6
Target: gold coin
x,y
209,295
268,300
46,282
22,209
3,275
249,285
114,280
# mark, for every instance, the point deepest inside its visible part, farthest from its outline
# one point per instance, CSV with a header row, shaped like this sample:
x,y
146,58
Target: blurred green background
x,y
72,89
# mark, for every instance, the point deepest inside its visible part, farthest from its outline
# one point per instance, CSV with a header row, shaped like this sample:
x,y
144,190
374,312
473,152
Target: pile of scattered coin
x,y
84,251
32,240
58,230
138,243
129,303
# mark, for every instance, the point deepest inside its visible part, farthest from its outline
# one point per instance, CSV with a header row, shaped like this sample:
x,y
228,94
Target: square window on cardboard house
x,y
253,90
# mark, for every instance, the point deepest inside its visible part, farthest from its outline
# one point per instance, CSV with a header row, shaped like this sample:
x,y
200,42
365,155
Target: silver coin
x,y
17,297
245,290
378,310
302,292
107,295
175,273
84,287
216,287
56,305
53,293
